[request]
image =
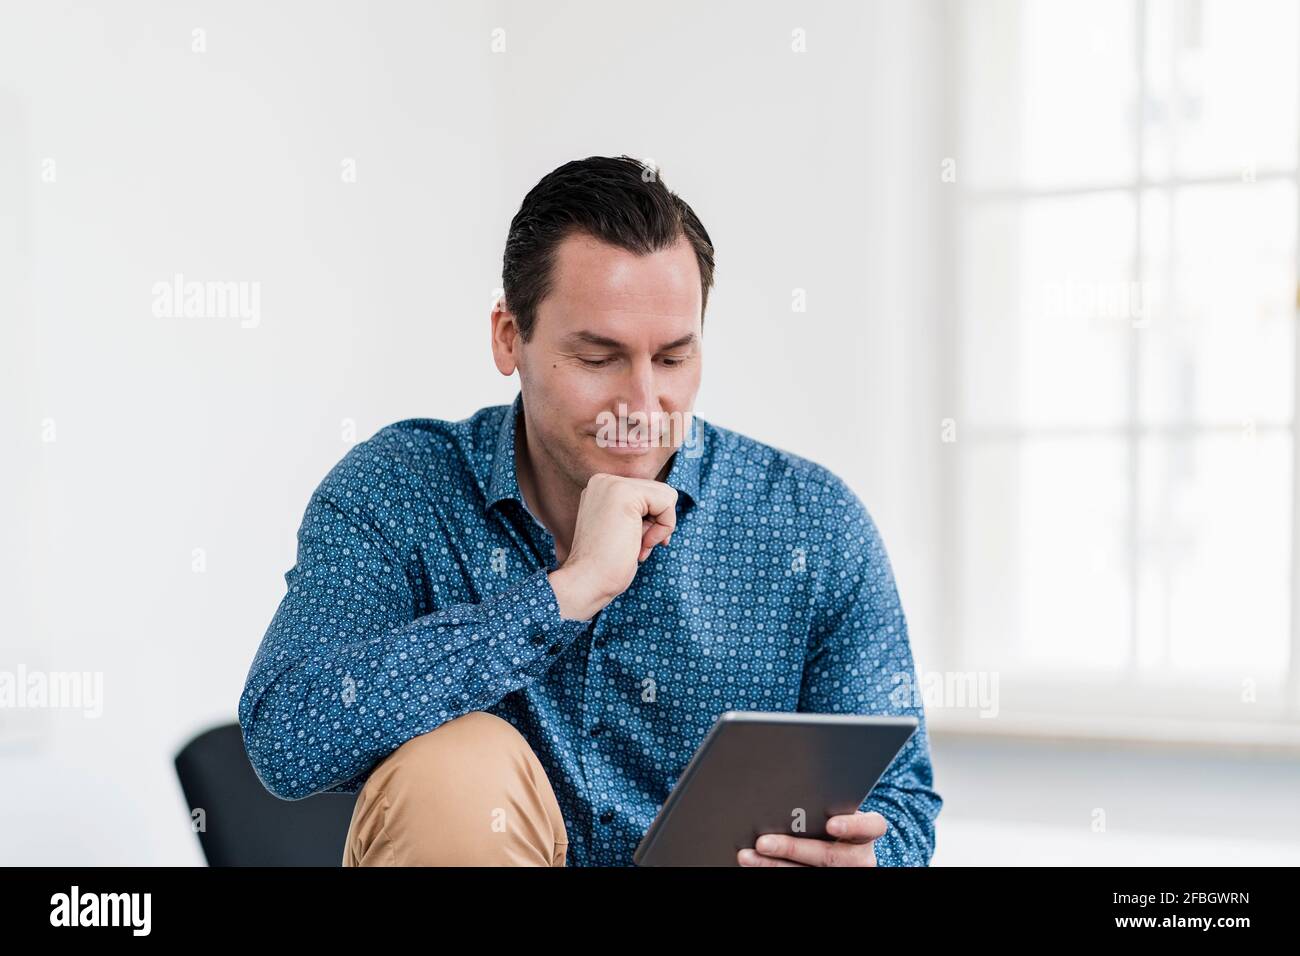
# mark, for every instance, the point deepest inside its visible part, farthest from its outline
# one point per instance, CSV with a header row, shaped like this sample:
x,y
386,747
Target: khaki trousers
x,y
470,792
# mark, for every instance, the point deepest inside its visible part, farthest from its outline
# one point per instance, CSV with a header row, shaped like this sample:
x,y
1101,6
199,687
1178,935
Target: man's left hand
x,y
850,843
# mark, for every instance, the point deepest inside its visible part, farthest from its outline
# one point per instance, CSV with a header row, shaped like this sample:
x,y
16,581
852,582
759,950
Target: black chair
x,y
245,824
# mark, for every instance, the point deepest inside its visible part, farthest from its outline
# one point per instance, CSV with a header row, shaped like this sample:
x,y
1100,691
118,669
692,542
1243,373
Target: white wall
x,y
809,171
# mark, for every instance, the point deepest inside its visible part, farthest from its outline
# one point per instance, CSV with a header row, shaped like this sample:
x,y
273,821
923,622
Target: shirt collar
x,y
503,482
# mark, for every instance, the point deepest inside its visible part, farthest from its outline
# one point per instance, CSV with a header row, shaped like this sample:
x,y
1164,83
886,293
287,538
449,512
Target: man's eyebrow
x,y
591,338
685,340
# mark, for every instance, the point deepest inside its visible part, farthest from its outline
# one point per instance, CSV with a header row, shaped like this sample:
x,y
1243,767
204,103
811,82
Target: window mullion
x,y
1133,444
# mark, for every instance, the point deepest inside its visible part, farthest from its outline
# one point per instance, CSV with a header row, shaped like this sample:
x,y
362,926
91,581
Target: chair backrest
x,y
244,824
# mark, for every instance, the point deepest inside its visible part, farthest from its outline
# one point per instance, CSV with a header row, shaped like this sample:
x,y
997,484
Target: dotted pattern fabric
x,y
420,593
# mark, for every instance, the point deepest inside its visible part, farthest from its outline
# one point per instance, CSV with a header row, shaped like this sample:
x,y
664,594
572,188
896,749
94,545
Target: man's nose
x,y
639,390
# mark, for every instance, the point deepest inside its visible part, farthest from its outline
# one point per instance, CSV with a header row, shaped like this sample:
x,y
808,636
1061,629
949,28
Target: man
x,y
511,632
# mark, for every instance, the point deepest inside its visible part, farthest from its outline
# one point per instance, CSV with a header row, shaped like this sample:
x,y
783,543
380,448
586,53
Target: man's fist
x,y
620,520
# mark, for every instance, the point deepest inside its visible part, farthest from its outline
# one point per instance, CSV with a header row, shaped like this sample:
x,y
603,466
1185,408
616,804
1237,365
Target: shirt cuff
x,y
544,607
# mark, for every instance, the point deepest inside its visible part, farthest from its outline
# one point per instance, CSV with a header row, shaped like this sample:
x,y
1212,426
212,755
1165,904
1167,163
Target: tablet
x,y
778,772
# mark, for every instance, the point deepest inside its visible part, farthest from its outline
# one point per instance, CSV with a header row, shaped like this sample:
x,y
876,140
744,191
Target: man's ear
x,y
506,340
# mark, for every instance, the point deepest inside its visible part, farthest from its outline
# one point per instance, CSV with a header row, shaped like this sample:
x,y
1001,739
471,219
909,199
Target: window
x,y
1126,356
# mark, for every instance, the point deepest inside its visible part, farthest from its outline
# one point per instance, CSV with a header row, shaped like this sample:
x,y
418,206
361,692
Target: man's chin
x,y
647,465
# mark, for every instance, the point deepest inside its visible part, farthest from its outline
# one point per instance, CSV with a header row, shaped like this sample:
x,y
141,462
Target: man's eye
x,y
595,363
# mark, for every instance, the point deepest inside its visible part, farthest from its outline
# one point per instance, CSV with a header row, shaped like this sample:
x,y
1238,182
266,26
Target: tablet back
x,y
760,773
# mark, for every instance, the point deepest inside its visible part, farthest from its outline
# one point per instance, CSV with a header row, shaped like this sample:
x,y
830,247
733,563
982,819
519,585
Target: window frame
x,y
1138,701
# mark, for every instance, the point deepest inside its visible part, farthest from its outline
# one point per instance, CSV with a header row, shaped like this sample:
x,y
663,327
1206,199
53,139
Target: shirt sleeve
x,y
347,671
860,661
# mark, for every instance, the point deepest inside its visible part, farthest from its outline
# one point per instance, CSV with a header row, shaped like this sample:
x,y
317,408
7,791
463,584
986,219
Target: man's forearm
x,y
329,711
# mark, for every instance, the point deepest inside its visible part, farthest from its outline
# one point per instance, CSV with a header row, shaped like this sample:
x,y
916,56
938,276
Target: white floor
x,y
1005,804
1034,804
983,843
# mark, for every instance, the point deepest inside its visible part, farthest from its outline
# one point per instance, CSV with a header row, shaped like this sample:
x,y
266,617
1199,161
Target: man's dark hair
x,y
618,200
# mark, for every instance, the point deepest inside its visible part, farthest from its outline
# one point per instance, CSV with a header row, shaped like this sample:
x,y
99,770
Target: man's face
x,y
616,343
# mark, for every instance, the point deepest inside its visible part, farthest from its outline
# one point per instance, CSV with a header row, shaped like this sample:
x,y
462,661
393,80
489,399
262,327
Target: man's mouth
x,y
627,446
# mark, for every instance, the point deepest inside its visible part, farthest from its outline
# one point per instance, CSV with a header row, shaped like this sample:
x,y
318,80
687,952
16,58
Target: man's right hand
x,y
620,521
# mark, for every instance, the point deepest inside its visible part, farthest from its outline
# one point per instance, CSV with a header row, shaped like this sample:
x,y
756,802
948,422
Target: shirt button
x,y
607,816
553,649
539,638
601,641
596,728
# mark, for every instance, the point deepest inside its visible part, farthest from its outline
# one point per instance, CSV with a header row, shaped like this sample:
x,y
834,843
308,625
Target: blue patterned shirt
x,y
420,593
